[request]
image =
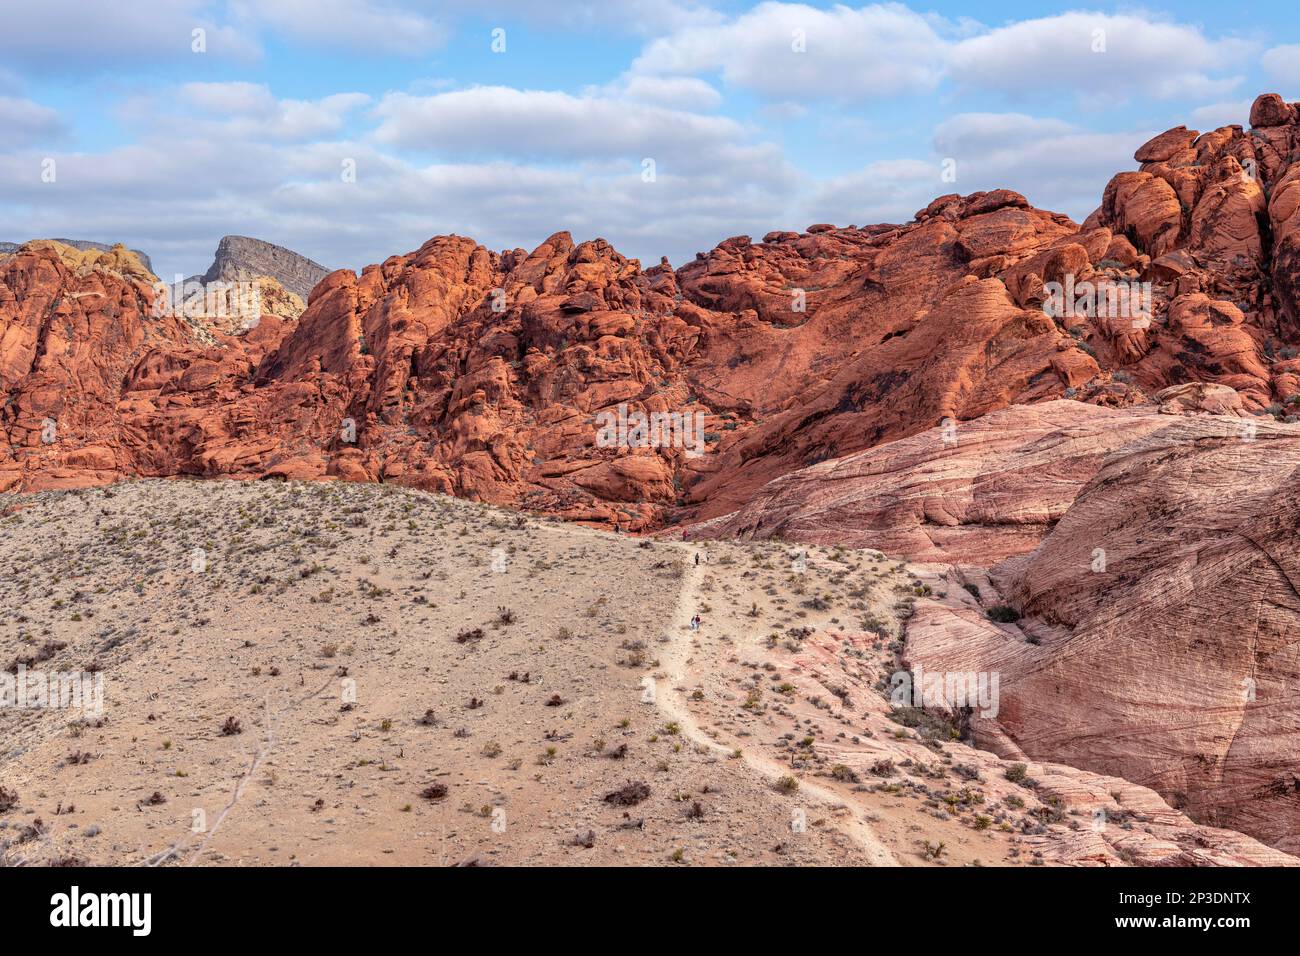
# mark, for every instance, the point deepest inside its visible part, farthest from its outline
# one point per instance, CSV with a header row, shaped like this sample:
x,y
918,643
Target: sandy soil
x,y
362,674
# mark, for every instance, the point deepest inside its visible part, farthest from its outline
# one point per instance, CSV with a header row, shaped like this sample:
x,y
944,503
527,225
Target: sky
x,y
352,130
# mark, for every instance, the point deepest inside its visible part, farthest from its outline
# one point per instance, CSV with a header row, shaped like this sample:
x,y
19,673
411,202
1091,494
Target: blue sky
x,y
756,116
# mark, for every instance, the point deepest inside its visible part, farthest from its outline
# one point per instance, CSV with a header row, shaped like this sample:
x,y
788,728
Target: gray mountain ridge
x,y
238,258
241,258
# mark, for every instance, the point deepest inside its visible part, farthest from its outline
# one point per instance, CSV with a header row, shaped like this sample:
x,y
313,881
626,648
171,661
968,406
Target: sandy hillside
x,y
361,674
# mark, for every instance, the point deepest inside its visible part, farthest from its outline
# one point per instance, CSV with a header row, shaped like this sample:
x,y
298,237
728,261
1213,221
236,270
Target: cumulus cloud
x,y
251,110
1114,56
366,26
1282,64
489,121
568,162
69,36
27,123
675,92
76,36
1055,164
644,17
1214,115
785,50
882,50
882,191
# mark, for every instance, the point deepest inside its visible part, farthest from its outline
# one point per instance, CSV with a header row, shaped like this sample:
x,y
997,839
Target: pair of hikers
x,y
696,621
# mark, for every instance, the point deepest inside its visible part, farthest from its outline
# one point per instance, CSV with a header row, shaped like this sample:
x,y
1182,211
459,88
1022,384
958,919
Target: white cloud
x,y
230,98
503,121
675,92
643,17
883,191
1214,115
1055,164
876,51
873,51
993,134
170,193
1282,64
250,110
71,36
362,25
27,123
75,36
1111,56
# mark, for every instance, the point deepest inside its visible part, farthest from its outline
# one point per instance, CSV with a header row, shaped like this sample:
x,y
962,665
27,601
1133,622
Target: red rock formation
x,y
973,493
1167,608
481,374
1152,555
1086,819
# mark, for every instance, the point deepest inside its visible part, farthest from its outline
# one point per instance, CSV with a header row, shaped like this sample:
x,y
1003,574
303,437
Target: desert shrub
x,y
843,774
786,785
925,723
629,795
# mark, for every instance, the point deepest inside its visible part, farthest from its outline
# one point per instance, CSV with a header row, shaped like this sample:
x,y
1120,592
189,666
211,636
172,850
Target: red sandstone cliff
x,y
480,373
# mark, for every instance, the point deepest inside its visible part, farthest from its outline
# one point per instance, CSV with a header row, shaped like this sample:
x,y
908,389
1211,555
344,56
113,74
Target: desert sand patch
x,y
334,673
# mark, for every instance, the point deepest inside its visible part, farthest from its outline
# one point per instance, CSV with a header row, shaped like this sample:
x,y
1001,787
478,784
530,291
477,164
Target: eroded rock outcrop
x,y
482,373
478,373
81,245
973,493
1085,818
1149,559
1166,604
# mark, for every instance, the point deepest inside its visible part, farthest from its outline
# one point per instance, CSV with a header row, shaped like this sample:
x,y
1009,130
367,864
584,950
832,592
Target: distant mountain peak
x,y
245,258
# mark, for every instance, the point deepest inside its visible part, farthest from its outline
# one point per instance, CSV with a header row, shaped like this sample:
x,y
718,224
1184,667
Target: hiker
x,y
697,559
